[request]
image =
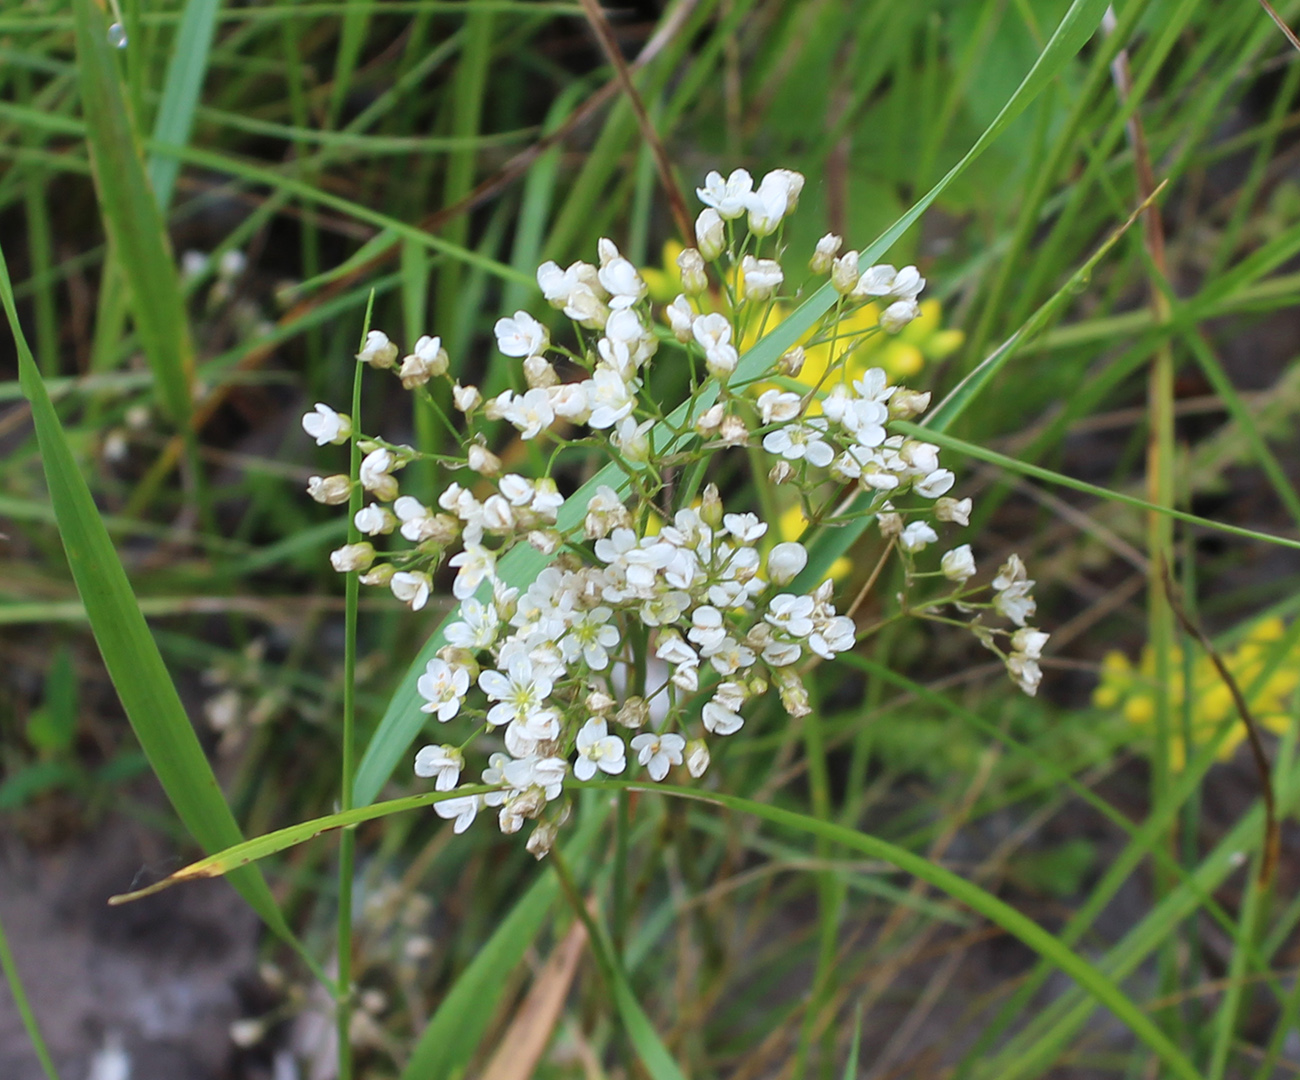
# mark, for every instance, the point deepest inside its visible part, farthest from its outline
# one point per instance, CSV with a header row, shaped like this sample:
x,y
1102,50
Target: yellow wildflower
x,y
1131,690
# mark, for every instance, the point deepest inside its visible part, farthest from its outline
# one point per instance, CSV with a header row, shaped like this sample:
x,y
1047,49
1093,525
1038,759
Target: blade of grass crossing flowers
x,y
180,96
134,664
403,720
131,216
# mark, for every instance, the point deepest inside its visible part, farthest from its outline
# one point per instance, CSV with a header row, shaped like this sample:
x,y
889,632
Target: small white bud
x,y
781,472
538,372
958,564
482,461
786,562
710,234
791,364
827,248
378,351
905,404
694,278
330,490
697,758
898,315
844,273
954,510
711,419
466,398
353,557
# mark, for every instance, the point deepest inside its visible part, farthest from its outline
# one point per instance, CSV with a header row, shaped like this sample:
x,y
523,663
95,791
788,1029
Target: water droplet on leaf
x,y
117,36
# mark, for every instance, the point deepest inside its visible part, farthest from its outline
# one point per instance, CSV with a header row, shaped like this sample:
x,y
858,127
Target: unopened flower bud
x,y
891,524
711,507
542,839
710,234
793,693
634,713
711,419
954,510
756,685
827,248
762,277
786,562
599,702
905,404
458,657
539,373
353,557
733,431
466,398
495,408
697,758
844,273
898,315
330,490
547,541
791,363
694,279
378,351
427,361
482,461
375,520
781,472
380,575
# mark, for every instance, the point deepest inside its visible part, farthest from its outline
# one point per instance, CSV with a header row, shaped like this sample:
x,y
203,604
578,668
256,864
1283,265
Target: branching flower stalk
x,y
668,611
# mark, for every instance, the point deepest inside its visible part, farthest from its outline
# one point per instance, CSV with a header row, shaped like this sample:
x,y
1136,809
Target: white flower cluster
x,y
665,623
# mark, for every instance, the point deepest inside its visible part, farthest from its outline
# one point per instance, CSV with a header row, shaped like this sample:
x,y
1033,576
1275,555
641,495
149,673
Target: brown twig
x,y
1272,838
605,35
1290,34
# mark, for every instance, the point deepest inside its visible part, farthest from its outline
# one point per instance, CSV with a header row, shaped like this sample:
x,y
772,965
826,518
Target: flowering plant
x,y
664,612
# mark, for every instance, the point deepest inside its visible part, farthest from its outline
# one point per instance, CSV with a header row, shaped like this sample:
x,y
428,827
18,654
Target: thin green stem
x,y
24,1007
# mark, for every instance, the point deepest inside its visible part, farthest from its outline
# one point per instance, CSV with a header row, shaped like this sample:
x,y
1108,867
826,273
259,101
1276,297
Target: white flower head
x,y
779,406
958,564
762,277
521,336
327,426
443,762
598,750
776,197
681,318
378,351
915,536
658,753
462,811
375,520
412,587
728,197
786,562
710,234
827,248
530,413
898,315
954,510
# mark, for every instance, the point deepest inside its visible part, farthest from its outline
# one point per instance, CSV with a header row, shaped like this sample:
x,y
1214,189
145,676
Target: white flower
x,y
935,484
598,750
443,762
621,280
521,336
415,517
330,490
427,360
671,649
477,629
591,636
791,614
546,500
570,402
1025,671
1029,641
466,399
916,536
721,361
375,520
681,318
352,557
327,426
520,693
706,629
378,351
844,273
711,330
744,527
476,564
633,439
691,264
719,720
586,308
775,198
461,810
411,587
884,280
728,197
836,636
610,397
954,510
1011,587
710,234
658,752
762,277
958,564
697,758
779,406
827,248
531,413
797,442
376,468
898,315
786,562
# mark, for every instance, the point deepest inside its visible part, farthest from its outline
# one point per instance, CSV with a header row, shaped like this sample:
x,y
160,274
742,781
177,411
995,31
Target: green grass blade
x,y
180,96
14,979
132,219
146,690
403,719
